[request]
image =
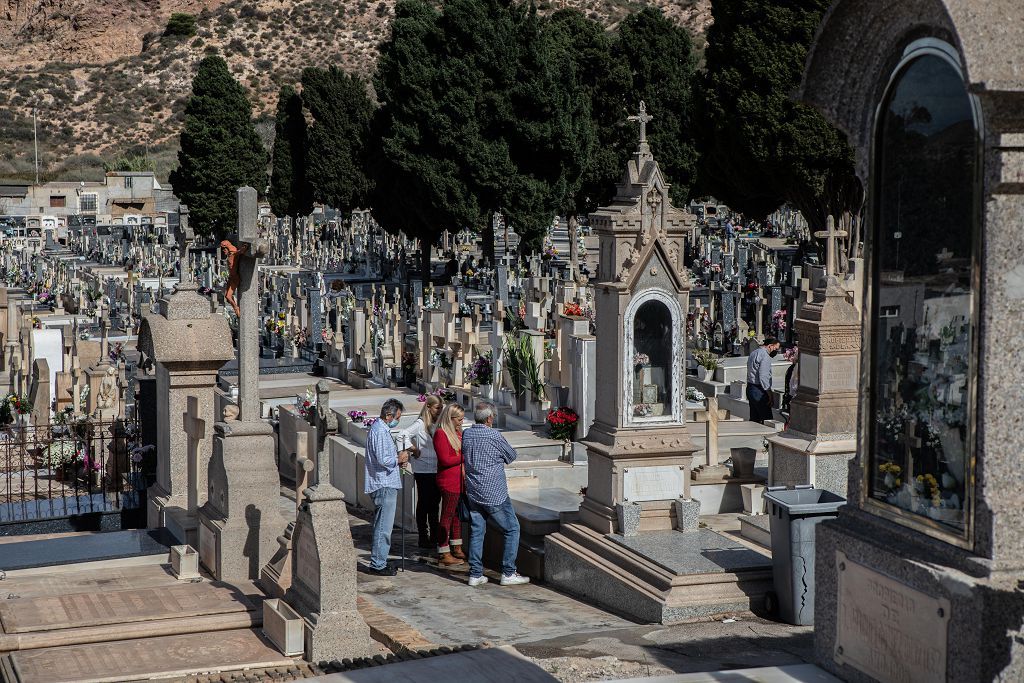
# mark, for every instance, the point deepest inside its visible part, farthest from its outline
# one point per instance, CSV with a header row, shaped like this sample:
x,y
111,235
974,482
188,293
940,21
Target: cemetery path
x,y
570,639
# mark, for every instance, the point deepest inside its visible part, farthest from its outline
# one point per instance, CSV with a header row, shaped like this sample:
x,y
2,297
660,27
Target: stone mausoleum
x,y
919,578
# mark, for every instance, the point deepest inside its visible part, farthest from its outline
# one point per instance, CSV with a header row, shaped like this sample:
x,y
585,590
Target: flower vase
x,y
704,374
485,390
566,451
97,479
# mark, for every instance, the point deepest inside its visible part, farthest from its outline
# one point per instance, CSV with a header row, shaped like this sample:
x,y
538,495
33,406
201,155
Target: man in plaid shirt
x,y
485,452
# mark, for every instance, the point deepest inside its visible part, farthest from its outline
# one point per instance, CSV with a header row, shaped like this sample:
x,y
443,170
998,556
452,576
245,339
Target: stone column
x,y
820,439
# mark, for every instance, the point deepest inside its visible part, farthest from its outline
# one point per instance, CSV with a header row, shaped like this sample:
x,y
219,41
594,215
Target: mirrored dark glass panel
x,y
652,360
923,298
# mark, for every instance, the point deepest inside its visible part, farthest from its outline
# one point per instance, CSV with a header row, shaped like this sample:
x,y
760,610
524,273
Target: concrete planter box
x,y
284,627
184,562
753,503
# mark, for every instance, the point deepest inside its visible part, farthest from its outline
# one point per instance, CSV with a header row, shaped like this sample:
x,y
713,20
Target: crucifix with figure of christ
x,y
250,249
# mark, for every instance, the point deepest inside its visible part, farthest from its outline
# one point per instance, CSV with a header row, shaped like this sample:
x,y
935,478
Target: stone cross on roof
x,y
643,118
831,236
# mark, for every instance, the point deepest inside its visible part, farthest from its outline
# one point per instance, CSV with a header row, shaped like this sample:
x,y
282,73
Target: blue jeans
x,y
386,500
503,517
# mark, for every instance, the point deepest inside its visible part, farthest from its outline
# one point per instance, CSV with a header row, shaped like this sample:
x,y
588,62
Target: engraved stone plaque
x,y
888,630
809,371
665,482
307,557
839,373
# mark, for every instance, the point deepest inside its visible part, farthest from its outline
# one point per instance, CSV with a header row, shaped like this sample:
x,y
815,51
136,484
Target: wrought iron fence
x,y
67,468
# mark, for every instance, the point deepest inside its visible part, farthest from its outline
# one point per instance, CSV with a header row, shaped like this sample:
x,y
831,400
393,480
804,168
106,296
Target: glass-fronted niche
x,y
652,360
924,296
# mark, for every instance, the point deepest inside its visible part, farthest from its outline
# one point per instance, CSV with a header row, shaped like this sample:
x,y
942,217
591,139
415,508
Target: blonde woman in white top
x,y
419,438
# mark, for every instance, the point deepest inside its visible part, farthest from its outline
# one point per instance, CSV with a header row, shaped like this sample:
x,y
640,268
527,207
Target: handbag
x,y
462,509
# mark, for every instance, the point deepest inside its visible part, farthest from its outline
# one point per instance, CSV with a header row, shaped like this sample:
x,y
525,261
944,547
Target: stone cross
x,y
711,431
831,236
248,303
195,429
187,237
910,441
643,118
303,466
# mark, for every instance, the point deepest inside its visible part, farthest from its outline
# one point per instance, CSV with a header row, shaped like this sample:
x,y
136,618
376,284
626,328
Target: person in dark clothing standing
x,y
759,380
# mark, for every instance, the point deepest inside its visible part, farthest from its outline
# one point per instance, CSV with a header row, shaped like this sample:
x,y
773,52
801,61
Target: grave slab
x,y
78,610
90,548
700,552
143,658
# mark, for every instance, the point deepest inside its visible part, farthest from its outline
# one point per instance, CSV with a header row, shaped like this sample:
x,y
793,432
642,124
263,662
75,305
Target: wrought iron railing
x,y
66,468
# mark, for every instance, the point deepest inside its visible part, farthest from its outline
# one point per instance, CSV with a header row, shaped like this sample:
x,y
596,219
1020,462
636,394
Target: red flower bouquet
x,y
562,423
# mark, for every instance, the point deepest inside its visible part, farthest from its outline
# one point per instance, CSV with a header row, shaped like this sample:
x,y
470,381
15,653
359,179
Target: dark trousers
x,y
428,502
760,402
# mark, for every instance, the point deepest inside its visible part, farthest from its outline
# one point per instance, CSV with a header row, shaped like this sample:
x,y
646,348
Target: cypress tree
x,y
760,148
220,149
338,138
289,192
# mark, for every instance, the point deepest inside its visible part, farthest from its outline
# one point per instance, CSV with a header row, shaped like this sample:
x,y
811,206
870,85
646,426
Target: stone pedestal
x,y
650,467
323,586
188,352
241,519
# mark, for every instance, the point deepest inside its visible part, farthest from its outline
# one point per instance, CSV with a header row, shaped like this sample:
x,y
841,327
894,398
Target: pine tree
x,y
289,191
220,149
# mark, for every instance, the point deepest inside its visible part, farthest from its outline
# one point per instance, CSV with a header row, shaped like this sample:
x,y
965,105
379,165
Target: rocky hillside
x,y
105,81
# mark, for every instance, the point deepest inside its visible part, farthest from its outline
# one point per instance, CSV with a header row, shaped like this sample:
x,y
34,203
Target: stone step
x,y
756,529
171,656
87,547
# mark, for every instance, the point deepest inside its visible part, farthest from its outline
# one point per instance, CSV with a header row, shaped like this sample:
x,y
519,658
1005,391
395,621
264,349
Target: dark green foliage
x,y
759,148
289,194
605,83
181,24
419,184
338,138
660,58
220,149
135,163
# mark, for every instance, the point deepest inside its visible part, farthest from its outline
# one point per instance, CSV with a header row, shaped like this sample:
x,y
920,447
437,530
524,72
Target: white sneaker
x,y
514,579
477,580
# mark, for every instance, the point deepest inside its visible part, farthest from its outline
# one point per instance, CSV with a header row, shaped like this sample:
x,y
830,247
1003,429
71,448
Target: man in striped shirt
x,y
485,452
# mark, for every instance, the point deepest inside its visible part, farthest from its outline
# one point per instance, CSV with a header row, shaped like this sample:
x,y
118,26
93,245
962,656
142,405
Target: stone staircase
x,y
114,612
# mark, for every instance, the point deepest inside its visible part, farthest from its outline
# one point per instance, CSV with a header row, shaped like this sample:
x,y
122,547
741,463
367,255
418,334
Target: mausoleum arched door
x,y
924,295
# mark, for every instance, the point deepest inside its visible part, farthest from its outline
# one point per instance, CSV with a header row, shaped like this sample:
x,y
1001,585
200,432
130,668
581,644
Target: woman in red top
x,y
448,446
